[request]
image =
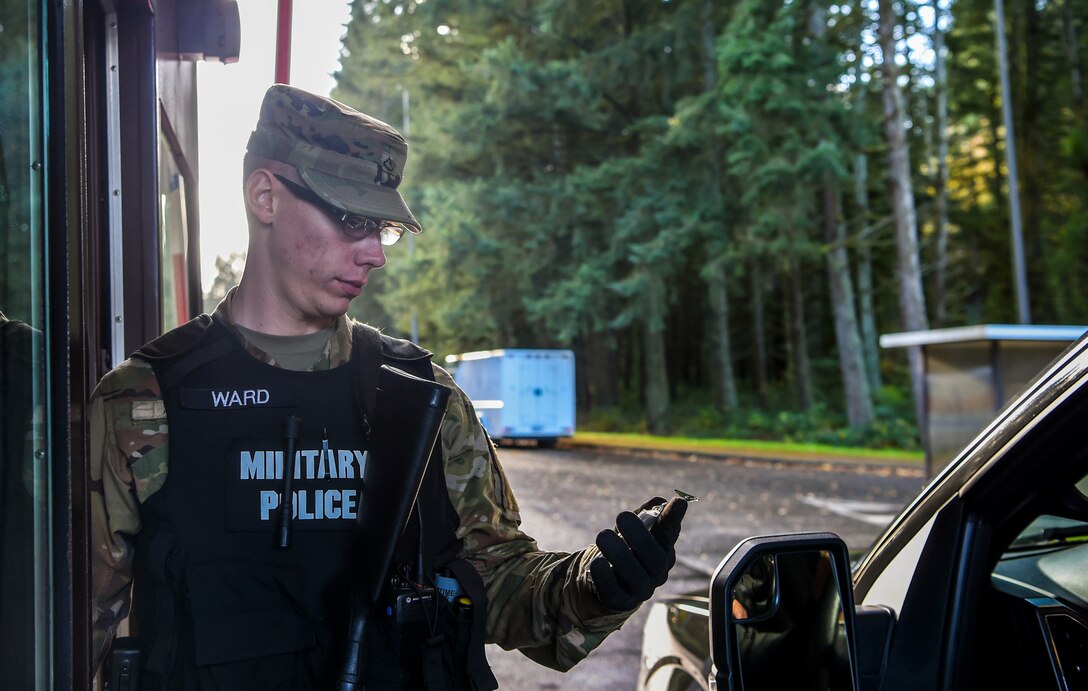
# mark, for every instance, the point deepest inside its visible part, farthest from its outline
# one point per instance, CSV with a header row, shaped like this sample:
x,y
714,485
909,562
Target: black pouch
x,y
445,654
250,629
124,665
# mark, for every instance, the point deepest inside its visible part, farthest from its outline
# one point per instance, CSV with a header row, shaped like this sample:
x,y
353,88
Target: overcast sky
x,y
230,98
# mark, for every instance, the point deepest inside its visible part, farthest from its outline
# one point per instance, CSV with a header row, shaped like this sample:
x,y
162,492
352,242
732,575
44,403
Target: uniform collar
x,y
337,351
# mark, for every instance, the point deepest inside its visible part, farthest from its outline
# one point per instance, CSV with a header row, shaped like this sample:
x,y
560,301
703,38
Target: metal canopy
x,y
983,332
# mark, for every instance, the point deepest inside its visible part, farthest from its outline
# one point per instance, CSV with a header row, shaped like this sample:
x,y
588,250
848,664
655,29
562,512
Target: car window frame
x,y
984,507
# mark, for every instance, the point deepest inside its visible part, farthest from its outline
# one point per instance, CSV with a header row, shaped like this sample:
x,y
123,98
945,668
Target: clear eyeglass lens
x,y
362,227
391,233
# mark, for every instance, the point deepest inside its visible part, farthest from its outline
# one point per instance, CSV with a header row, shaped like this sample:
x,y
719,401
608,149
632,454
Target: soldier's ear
x,y
260,198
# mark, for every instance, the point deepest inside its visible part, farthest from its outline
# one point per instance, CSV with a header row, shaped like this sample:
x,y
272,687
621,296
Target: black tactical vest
x,y
217,604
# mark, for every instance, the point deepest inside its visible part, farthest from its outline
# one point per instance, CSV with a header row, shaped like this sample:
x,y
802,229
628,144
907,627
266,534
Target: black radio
x,y
412,608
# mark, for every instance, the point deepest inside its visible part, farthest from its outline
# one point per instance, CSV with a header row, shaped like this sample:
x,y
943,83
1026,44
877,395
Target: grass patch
x,y
742,447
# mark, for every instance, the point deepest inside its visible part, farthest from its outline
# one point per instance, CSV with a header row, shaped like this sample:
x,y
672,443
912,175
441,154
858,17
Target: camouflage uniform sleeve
x,y
127,464
541,603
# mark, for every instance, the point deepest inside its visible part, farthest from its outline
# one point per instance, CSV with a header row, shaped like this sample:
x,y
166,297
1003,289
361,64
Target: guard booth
x,y
98,254
971,372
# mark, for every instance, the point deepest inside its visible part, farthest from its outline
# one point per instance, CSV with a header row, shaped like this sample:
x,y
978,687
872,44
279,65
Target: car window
x,y
1050,555
1050,531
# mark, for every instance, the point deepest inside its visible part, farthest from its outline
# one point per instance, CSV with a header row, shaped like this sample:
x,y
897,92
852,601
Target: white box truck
x,y
520,393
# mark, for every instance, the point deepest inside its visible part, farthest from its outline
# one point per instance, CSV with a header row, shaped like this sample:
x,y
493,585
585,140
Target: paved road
x,y
566,496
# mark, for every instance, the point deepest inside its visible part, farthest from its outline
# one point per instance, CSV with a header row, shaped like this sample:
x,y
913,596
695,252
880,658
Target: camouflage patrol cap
x,y
351,160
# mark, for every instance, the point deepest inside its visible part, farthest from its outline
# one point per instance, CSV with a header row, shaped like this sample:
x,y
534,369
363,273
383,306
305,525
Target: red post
x,y
283,42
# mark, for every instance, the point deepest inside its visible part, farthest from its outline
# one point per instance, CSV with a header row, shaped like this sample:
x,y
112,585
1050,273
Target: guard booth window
x,y
25,528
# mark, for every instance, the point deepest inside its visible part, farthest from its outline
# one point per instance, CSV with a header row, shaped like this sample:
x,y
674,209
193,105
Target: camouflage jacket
x,y
539,602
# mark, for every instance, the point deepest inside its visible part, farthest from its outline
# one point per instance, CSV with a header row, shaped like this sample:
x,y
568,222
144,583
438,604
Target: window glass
x,y
25,622
174,234
1050,555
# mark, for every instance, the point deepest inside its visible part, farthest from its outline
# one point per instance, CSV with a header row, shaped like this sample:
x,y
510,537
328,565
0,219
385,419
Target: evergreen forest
x,y
720,205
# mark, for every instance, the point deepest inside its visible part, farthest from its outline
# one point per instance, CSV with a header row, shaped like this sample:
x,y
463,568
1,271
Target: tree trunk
x,y
759,331
725,382
799,361
1008,119
866,312
1033,163
855,383
601,375
1072,53
940,180
911,297
654,361
870,340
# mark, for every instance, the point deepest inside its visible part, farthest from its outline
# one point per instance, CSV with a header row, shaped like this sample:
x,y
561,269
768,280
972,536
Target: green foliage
x,y
20,219
614,419
695,417
1068,268
229,274
1049,122
586,169
21,248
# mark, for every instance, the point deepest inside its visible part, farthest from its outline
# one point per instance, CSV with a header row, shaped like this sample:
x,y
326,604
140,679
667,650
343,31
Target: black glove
x,y
631,567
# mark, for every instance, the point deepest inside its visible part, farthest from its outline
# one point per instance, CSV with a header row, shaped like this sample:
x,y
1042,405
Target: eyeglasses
x,y
355,226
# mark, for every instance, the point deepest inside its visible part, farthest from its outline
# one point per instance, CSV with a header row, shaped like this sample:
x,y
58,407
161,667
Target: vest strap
x,y
366,354
434,673
178,352
483,679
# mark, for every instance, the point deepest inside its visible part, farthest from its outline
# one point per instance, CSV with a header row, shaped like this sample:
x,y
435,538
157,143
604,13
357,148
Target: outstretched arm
x,y
542,603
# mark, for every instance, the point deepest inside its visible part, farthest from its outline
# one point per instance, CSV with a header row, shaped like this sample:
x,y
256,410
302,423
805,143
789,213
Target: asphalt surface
x,y
567,495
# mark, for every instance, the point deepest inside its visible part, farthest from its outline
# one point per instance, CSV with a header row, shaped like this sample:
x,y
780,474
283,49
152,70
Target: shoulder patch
x,y
143,411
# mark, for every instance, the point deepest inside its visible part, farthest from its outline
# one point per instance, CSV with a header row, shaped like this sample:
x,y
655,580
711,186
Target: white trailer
x,y
520,393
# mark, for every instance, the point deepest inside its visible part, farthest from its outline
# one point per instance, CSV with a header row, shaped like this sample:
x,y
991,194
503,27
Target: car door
x,y
935,567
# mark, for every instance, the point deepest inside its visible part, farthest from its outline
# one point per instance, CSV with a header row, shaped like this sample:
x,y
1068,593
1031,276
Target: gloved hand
x,y
631,567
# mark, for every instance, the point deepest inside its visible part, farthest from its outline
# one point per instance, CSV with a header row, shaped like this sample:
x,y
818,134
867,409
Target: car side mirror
x,y
782,616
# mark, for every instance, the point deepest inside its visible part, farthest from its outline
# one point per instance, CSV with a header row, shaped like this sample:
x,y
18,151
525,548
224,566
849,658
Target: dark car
x,y
981,583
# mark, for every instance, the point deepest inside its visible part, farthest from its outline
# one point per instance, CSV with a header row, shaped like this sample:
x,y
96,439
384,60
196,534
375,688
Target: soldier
x,y
185,512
